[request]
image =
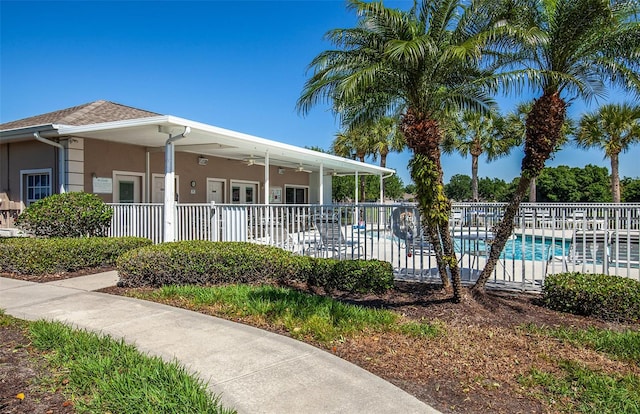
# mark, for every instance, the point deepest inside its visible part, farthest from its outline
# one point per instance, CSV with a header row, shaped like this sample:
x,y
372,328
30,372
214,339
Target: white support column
x,y
381,189
170,183
266,177
321,186
169,192
147,170
357,213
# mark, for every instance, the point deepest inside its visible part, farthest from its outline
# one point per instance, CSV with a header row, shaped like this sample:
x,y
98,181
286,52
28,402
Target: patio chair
x,y
334,244
591,250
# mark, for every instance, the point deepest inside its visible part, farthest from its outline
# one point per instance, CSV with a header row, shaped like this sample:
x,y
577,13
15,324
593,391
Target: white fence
x,y
548,238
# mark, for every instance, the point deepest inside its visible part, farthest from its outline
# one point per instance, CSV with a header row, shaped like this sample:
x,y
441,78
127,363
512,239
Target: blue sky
x,y
239,65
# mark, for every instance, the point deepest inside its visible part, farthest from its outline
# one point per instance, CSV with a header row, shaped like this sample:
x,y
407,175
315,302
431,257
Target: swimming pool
x,y
520,247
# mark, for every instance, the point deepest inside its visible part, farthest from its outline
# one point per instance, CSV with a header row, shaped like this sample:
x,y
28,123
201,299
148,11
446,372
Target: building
x,y
130,155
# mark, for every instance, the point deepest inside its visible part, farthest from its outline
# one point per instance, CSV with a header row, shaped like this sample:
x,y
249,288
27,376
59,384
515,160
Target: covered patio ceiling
x,y
211,141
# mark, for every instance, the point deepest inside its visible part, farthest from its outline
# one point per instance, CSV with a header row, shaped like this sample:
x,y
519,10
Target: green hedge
x,y
47,256
209,263
601,296
74,214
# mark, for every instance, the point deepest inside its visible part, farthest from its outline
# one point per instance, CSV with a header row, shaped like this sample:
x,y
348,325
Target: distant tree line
x,y
563,184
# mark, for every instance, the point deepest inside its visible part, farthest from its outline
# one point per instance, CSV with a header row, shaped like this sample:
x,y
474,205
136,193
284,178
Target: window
x,y
36,185
296,195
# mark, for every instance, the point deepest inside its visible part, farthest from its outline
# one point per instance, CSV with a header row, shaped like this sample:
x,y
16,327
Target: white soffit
x,y
214,141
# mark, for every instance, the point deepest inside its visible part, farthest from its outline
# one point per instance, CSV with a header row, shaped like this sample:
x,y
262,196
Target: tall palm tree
x,y
422,63
475,134
586,43
613,128
514,126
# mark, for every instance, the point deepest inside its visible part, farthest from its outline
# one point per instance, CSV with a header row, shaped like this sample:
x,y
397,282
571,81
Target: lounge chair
x,y
590,252
334,244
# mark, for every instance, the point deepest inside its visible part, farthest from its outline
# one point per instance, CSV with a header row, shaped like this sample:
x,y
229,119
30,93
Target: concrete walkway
x,y
254,371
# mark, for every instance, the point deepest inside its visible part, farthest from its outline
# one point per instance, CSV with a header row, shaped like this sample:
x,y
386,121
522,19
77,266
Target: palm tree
x,y
585,44
514,126
354,143
422,63
613,128
475,134
385,138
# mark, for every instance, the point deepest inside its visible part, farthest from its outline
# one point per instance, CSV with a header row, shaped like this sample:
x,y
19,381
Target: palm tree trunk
x,y
532,191
383,159
424,136
615,177
474,177
544,125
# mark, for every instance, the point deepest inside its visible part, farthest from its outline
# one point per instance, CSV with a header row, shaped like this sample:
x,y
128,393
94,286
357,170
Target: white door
x,y
127,188
215,191
157,186
244,193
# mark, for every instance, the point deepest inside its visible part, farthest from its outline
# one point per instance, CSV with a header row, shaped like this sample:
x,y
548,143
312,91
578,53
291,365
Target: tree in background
x,y
613,128
385,138
459,188
474,133
565,184
494,189
630,190
343,188
354,143
578,46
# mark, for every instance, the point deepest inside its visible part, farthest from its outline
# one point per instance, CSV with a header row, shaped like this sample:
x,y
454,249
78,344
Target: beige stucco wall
x,y
89,158
102,157
188,169
28,155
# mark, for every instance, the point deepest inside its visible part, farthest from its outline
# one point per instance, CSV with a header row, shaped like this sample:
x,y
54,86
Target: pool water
x,y
523,247
518,248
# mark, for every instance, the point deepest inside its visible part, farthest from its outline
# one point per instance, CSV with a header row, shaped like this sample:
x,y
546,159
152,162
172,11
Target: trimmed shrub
x,y
67,215
202,262
361,276
54,255
602,296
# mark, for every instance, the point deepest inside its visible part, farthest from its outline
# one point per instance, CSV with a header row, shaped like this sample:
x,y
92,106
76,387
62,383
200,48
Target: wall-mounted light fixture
x,y
281,170
202,160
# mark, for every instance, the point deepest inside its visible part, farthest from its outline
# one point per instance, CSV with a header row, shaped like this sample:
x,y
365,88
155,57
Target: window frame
x,y
24,188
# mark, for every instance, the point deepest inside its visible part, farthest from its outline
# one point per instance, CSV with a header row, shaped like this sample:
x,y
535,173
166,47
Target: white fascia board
x,y
105,126
25,134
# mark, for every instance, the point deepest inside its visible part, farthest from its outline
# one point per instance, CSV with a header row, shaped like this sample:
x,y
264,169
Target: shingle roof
x,y
90,113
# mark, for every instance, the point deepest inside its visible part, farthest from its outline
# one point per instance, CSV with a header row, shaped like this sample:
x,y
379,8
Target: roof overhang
x,y
206,140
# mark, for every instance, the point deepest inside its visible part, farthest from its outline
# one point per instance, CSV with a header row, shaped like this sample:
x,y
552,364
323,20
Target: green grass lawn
x,y
103,375
314,317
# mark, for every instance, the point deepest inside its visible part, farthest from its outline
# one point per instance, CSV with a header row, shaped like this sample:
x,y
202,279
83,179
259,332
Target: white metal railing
x,y
138,220
548,238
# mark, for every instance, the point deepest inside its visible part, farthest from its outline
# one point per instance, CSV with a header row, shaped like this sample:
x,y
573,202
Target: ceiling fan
x,y
250,160
300,168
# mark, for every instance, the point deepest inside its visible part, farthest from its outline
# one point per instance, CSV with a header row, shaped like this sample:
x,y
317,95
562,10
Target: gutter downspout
x,y
382,177
61,159
170,186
